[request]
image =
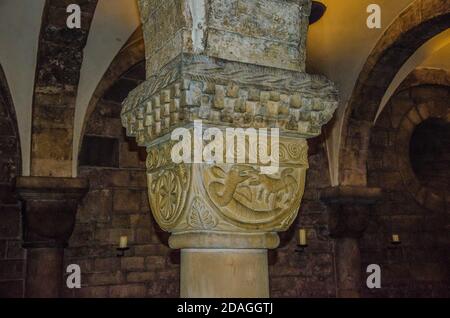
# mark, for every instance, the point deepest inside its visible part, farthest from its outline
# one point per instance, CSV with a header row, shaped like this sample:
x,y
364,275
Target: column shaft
x,y
224,273
208,71
348,263
49,207
44,272
349,216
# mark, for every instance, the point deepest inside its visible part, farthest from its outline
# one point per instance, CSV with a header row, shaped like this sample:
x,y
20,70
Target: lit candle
x,y
123,242
302,237
395,238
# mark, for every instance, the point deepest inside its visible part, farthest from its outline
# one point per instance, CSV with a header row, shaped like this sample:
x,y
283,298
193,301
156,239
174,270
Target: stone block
x,y
112,278
151,249
127,201
10,222
141,220
109,264
141,277
132,263
3,245
97,205
145,236
92,292
15,250
11,269
12,289
120,221
153,263
128,291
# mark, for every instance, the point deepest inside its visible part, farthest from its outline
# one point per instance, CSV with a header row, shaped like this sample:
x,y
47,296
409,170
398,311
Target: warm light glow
x,y
302,237
395,238
123,242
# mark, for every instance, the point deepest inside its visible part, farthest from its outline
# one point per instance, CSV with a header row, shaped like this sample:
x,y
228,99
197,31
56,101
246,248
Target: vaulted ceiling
x,y
338,47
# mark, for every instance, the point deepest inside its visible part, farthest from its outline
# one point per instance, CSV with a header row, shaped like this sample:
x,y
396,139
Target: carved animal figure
x,y
275,191
222,192
267,191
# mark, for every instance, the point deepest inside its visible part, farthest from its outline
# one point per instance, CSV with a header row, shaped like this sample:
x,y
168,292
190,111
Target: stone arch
x,y
117,203
59,61
130,55
410,206
428,76
10,153
420,22
426,108
13,265
415,117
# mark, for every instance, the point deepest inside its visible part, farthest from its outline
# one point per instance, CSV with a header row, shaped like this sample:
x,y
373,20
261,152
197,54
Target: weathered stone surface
x,y
405,209
349,217
128,291
50,206
11,255
237,64
296,103
132,263
57,74
264,32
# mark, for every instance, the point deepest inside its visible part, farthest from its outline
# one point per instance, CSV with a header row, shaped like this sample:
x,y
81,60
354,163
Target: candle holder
x,y
301,248
395,240
301,240
121,251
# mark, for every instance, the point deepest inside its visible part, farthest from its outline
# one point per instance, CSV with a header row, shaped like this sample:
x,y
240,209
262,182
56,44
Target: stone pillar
x,y
226,64
348,219
49,210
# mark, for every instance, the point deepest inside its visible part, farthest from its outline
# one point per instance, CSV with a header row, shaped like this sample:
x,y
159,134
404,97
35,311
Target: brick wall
x,y
419,267
12,256
307,273
117,205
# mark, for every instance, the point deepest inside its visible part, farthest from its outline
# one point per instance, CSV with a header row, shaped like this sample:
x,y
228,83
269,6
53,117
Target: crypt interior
x,y
85,163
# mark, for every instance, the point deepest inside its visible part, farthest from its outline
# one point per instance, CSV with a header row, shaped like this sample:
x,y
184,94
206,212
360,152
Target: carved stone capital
x,y
228,64
349,209
49,209
226,205
228,93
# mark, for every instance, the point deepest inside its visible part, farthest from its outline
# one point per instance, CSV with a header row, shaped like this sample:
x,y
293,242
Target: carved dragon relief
x,y
238,195
244,195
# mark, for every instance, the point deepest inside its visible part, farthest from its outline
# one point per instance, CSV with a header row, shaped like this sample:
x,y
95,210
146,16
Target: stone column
x,y
348,219
49,209
226,64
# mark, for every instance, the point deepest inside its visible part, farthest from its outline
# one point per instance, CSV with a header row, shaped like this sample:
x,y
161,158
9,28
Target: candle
x,y
302,237
123,242
395,238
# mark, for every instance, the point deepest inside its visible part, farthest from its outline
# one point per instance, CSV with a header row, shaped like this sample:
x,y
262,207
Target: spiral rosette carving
x,y
167,192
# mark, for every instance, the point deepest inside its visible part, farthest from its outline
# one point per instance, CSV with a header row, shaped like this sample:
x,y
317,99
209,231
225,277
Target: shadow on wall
x,y
12,256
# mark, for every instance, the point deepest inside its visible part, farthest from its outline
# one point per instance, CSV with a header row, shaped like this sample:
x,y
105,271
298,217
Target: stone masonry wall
x,y
311,272
117,205
419,267
58,67
12,256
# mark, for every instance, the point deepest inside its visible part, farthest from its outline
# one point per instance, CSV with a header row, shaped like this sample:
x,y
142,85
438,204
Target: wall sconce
x,y
302,242
395,239
317,11
123,246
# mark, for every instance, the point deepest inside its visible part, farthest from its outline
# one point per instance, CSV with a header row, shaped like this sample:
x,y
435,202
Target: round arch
x,y
421,21
10,151
130,55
